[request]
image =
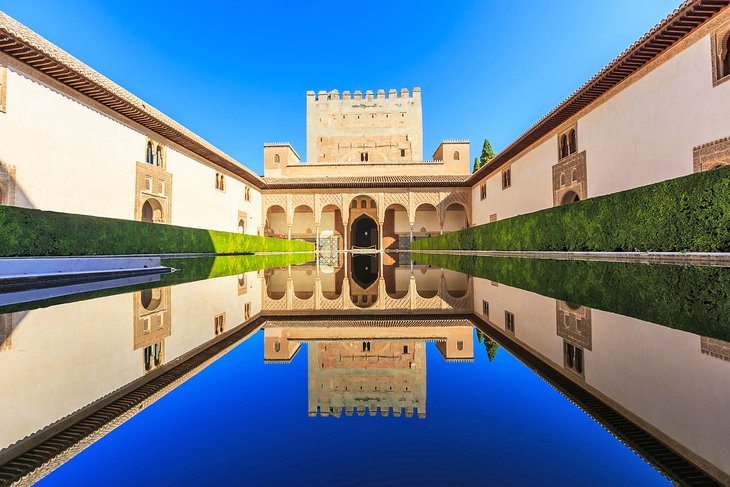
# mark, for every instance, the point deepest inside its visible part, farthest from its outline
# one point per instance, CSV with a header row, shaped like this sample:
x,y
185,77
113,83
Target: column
x,y
316,244
380,236
288,232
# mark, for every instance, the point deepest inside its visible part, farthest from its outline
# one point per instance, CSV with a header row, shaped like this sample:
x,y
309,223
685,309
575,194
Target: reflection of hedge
x,y
27,232
188,270
694,299
691,213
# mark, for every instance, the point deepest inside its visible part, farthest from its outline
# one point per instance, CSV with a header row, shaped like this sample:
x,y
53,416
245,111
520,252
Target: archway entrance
x,y
364,234
570,197
364,270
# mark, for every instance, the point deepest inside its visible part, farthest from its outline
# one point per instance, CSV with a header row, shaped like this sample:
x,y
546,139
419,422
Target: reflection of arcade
x,y
370,284
152,324
378,364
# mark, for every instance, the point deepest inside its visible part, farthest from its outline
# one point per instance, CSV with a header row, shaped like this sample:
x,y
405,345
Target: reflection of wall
x,y
66,356
358,364
656,375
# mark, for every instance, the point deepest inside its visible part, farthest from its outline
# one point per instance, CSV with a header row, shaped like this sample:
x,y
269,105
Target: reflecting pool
x,y
372,368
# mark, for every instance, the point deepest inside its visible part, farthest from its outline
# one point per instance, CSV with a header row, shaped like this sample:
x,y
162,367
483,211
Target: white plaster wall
x,y
72,158
642,135
646,133
68,156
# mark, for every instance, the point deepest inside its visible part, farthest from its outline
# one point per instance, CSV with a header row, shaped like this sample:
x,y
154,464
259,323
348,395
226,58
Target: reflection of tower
x,y
374,364
152,324
574,326
385,375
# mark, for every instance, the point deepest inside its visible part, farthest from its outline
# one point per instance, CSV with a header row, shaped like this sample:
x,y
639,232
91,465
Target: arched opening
x,y
455,217
427,282
152,211
150,299
456,283
303,223
426,221
276,225
331,232
241,226
395,227
275,282
564,146
456,155
569,197
158,156
150,156
572,141
277,159
364,233
364,273
726,56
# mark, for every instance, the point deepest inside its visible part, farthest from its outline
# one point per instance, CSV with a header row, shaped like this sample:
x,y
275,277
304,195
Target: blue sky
x,y
236,73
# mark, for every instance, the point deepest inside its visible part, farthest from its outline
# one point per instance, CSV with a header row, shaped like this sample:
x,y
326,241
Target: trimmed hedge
x,y
690,213
690,298
28,232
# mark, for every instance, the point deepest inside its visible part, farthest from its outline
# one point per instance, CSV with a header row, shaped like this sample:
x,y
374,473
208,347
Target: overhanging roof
x,y
685,19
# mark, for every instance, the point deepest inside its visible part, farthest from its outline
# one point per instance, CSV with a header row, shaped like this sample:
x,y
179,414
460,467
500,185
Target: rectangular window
x,y
246,311
247,193
573,358
3,87
363,157
405,348
483,191
220,323
509,322
485,308
220,182
402,152
507,178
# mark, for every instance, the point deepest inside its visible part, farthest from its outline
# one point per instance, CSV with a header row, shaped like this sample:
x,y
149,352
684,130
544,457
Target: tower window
x,y
456,155
485,308
150,157
220,182
363,157
402,152
276,159
507,178
483,191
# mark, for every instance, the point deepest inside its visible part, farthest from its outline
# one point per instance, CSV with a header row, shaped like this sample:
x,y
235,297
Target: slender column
x,y
288,232
380,236
316,245
411,233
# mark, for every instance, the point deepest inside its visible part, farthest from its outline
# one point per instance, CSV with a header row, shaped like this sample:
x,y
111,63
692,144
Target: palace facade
x,y
73,141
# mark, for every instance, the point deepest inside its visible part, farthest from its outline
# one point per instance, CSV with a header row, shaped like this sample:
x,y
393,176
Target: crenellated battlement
x,y
369,95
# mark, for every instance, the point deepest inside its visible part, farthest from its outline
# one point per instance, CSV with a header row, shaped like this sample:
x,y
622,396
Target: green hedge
x,y
690,298
28,232
691,213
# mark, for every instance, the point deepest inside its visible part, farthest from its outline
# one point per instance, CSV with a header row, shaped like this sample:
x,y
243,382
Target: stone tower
x,y
371,128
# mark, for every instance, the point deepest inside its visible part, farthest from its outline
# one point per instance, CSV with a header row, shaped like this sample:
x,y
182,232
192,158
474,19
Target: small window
x,y
158,156
460,345
402,152
574,175
247,193
456,155
573,358
405,348
365,346
564,150
483,191
363,204
507,178
353,204
372,203
572,142
220,323
220,182
150,157
509,322
277,159
485,308
247,311
363,157
562,179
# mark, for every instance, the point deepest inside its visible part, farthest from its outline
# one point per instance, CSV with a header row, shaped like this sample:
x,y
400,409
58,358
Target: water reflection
x,y
358,365
367,323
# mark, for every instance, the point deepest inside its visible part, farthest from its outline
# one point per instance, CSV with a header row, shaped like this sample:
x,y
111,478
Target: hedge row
x,y
690,298
691,213
29,232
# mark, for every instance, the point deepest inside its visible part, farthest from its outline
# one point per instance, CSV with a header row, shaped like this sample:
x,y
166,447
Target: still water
x,y
372,370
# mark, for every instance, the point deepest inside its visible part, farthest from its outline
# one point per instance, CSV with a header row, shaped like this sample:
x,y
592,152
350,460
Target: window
x,y
402,152
509,322
354,204
485,308
219,322
573,358
363,157
460,345
277,159
247,311
456,155
372,203
405,348
150,157
721,55
220,182
247,193
158,156
365,346
483,191
507,178
567,143
363,204
562,179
